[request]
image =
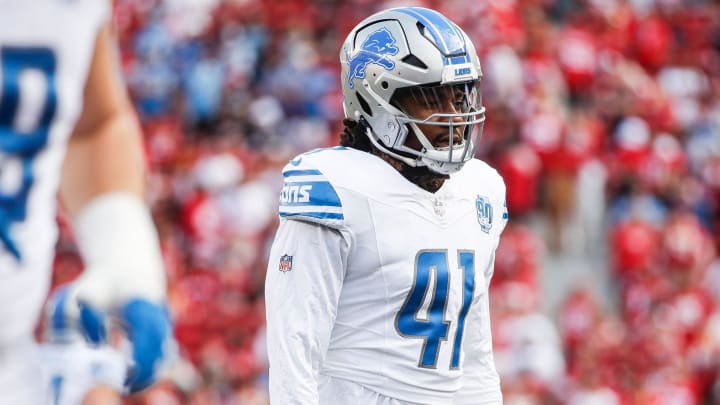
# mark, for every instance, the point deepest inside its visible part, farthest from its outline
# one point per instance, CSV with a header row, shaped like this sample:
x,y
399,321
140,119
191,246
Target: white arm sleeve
x,y
119,244
481,383
301,305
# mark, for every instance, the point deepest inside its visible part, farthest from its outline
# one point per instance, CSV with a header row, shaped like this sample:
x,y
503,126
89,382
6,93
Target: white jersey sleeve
x,y
304,278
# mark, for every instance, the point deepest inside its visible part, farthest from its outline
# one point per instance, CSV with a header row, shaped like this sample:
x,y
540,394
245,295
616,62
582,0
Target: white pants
x,y
20,374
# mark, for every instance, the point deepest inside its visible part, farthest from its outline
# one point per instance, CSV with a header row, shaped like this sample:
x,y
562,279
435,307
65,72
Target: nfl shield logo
x,y
285,263
484,213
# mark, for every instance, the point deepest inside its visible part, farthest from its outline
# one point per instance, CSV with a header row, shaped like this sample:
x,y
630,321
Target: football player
x,y
377,283
66,124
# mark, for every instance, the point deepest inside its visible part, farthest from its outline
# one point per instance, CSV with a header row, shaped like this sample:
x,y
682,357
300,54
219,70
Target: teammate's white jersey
x,y
45,52
70,370
374,280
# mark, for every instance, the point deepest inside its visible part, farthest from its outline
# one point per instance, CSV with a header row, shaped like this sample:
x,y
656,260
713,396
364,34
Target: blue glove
x,y
65,321
148,328
146,325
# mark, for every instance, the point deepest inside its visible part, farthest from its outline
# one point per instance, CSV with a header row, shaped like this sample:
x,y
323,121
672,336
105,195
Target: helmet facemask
x,y
442,124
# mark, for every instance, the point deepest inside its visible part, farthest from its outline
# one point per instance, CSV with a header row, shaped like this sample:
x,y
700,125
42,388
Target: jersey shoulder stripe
x,y
328,185
308,194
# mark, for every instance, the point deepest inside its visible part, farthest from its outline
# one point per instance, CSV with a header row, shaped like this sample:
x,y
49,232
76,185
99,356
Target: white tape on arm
x,y
119,244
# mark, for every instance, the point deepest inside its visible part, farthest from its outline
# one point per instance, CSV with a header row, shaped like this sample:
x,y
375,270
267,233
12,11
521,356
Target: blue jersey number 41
x,y
22,138
432,282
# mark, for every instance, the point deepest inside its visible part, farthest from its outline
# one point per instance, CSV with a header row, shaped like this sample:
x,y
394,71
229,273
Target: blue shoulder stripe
x,y
311,172
307,193
317,215
319,193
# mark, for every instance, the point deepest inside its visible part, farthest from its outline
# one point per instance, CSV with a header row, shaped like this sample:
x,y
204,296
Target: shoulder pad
x,y
308,195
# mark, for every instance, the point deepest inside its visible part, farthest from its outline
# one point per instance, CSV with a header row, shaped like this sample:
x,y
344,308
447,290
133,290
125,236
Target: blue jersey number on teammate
x,y
432,265
21,141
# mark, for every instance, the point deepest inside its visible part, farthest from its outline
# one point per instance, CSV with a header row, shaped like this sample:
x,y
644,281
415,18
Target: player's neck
x,y
422,177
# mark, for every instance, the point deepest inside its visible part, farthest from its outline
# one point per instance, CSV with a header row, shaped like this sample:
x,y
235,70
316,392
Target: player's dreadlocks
x,y
354,136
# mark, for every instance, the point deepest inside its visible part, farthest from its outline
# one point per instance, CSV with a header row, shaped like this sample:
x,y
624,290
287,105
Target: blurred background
x,y
603,118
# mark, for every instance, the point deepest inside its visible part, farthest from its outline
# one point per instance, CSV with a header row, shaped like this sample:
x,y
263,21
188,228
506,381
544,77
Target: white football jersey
x,y
45,52
390,290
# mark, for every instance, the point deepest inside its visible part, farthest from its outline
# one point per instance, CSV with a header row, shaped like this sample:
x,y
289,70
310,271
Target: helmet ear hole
x,y
364,104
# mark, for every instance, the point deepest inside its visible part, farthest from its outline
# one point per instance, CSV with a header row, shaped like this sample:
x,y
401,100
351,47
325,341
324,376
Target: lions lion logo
x,y
376,49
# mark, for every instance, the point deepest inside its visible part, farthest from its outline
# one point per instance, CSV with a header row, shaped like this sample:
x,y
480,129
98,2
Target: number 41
x,y
434,329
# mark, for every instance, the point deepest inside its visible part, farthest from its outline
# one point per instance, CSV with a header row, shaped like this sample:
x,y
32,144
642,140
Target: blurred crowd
x,y
603,118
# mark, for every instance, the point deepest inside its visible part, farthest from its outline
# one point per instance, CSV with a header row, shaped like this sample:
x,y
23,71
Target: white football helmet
x,y
408,67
